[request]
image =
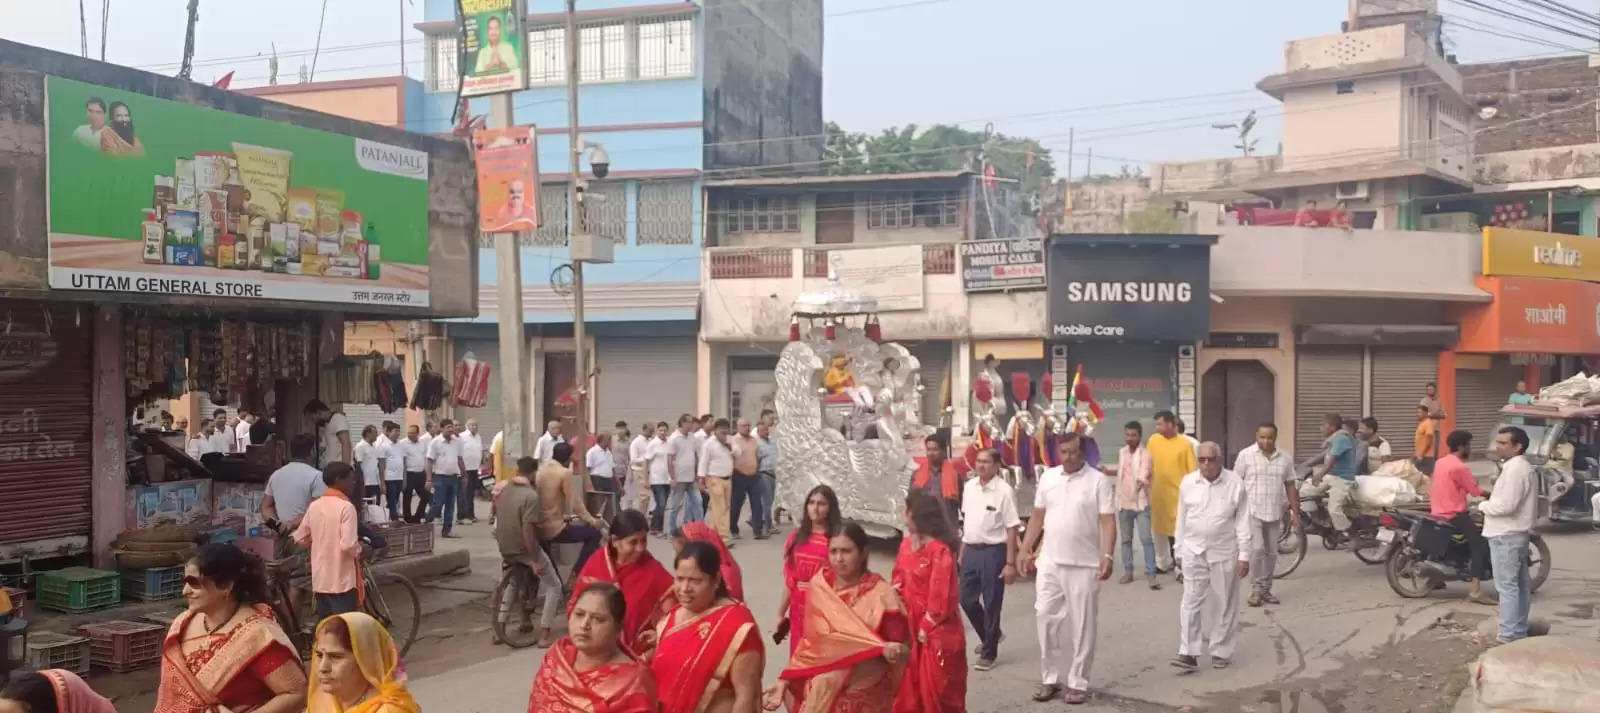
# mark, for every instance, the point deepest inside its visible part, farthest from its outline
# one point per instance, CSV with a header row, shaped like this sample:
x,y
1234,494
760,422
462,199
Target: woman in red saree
x,y
709,655
588,671
52,691
645,584
227,652
925,576
700,532
804,555
854,652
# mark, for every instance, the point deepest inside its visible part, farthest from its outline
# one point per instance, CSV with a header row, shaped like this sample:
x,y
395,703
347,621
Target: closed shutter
x,y
935,360
1480,394
1327,380
363,415
491,418
1398,376
45,422
644,379
207,408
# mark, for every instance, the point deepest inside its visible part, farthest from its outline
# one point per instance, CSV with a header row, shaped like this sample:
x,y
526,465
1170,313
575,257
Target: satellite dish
x,y
1488,112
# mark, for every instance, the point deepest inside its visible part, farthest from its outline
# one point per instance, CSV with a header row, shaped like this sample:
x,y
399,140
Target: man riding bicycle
x,y
523,556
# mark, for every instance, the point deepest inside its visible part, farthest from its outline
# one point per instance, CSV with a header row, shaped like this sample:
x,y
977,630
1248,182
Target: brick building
x,y
1535,103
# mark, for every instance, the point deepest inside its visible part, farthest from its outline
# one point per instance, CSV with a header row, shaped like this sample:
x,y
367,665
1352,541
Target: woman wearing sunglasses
x,y
227,653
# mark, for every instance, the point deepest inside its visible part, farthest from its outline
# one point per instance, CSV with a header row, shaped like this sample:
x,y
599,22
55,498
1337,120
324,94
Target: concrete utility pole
x,y
574,220
508,289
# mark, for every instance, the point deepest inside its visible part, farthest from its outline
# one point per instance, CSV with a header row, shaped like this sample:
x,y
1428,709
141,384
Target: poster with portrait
x,y
493,46
508,179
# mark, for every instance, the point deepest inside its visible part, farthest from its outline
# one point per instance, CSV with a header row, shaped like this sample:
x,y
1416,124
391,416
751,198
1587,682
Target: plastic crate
x,y
77,589
123,646
19,600
48,650
151,585
163,618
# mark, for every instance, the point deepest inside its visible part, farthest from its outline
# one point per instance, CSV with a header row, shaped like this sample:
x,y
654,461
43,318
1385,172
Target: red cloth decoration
x,y
1020,384
794,330
831,331
980,389
874,331
471,384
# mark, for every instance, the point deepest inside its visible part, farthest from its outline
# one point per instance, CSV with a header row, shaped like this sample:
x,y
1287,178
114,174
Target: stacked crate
x,y
154,584
75,590
123,646
47,650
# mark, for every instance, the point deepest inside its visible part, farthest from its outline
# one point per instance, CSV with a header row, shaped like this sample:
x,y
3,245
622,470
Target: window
x,y
552,216
605,210
766,214
666,48
1345,87
939,209
891,209
603,52
441,70
666,212
547,56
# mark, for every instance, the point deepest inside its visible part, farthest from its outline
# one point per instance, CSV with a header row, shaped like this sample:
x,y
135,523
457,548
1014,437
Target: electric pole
x,y
575,219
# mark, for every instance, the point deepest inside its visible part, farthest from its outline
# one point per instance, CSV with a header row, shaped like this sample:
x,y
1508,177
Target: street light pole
x,y
574,219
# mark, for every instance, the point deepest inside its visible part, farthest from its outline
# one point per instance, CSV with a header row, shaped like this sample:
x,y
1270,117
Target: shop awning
x,y
1390,335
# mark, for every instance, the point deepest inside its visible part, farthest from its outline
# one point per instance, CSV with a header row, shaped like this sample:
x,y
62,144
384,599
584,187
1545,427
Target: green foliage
x,y
1153,219
941,147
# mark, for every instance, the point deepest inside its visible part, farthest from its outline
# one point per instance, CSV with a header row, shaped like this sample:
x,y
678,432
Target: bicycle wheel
x,y
392,600
1291,549
512,610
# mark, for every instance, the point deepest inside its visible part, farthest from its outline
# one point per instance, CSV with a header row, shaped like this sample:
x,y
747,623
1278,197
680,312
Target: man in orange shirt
x,y
1427,443
948,486
329,530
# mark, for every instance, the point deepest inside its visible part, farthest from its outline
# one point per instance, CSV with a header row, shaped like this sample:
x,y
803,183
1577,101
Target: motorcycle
x,y
1428,553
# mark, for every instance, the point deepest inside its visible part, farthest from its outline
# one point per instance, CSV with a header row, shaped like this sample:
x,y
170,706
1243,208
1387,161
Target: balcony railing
x,y
754,263
937,259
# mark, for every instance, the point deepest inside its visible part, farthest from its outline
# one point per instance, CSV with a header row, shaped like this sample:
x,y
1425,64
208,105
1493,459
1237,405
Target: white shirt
x,y
413,454
367,455
1193,443
221,441
241,436
471,450
425,440
1073,504
1513,504
657,453
1376,454
545,449
1264,479
445,455
199,446
716,459
1213,518
600,462
988,512
293,487
332,449
639,450
681,449
394,463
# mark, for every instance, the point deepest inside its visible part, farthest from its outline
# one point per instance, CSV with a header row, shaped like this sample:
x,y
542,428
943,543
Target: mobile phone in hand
x,y
781,633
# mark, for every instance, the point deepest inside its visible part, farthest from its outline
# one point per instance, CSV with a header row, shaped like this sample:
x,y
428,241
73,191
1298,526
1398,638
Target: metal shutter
x,y
491,418
1398,376
644,378
363,415
46,435
207,408
935,360
1479,395
1327,380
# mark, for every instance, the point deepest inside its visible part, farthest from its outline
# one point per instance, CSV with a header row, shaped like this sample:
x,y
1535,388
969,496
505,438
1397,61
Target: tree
x,y
842,151
1153,219
941,147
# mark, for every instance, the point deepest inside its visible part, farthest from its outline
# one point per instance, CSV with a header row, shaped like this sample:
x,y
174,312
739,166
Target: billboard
x,y
494,43
508,179
1129,290
1002,264
163,197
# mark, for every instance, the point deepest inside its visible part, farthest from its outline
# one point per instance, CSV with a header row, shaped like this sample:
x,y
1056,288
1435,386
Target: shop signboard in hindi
x,y
1005,264
508,179
494,37
162,197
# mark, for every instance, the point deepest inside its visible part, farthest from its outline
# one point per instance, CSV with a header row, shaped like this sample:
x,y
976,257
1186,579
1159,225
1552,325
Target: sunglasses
x,y
193,582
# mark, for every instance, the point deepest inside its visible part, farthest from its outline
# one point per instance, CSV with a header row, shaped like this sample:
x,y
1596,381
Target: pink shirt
x,y
329,528
1133,479
1452,482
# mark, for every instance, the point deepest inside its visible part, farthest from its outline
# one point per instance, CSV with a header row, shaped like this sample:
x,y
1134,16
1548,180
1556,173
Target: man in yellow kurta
x,y
1171,458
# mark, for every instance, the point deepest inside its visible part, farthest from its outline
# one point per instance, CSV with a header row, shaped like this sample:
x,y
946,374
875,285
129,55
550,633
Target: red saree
x,y
613,688
838,666
646,587
230,668
936,681
693,660
700,532
802,563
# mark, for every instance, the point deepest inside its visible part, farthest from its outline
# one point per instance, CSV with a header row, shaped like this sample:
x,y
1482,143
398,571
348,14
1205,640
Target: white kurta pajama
x,y
1213,536
1068,581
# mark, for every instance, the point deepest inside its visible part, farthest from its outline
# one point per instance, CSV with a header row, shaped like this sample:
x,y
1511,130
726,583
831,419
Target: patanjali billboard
x,y
1145,288
163,197
493,45
1004,264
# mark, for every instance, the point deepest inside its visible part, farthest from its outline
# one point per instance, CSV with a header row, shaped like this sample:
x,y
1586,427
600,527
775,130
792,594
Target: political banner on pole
x,y
493,47
508,179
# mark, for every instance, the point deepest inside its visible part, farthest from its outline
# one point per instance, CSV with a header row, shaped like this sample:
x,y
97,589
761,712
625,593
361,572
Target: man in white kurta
x,y
1213,542
1075,514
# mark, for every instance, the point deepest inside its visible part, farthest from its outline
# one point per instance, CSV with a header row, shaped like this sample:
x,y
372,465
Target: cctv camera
x,y
600,162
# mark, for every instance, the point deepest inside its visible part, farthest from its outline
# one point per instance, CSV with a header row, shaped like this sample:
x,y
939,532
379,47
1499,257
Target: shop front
x,y
1128,311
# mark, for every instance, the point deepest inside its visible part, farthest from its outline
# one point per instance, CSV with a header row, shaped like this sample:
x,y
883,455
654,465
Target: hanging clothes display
x,y
472,382
390,385
430,391
232,361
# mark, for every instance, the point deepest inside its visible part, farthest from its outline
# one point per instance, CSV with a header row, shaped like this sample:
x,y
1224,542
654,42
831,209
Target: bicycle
x,y
517,591
402,618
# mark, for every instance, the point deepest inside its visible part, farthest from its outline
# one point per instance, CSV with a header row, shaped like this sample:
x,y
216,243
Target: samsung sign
x,y
1130,287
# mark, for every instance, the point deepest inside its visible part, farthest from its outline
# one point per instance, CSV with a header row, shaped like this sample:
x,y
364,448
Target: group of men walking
x,y
704,470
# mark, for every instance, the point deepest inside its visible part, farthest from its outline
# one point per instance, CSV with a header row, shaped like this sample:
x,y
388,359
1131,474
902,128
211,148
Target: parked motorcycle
x,y
1428,553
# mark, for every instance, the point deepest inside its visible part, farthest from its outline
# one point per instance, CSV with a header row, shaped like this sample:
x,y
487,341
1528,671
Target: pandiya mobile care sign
x,y
163,197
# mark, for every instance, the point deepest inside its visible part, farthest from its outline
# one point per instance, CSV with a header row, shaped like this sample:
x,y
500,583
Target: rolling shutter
x,y
935,360
46,414
363,415
644,379
1479,395
491,418
1327,380
1398,376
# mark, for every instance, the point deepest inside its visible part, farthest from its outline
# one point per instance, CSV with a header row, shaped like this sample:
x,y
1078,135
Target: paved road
x,y
1336,613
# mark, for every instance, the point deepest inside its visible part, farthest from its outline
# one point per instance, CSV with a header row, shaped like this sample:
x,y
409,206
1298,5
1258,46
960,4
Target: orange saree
x,y
693,659
230,667
646,587
560,687
838,665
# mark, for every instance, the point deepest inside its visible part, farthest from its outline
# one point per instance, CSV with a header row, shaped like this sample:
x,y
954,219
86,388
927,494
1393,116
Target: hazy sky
x,y
1139,80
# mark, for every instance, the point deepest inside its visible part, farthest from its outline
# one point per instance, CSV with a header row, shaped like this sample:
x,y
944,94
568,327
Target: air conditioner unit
x,y
1351,191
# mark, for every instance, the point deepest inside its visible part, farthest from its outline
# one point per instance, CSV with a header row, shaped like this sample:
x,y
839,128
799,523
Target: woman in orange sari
x,y
925,577
709,655
588,671
51,691
645,584
227,652
854,651
701,532
804,555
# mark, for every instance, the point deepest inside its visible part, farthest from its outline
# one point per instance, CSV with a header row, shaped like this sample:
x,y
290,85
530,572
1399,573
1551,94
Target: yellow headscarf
x,y
379,661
